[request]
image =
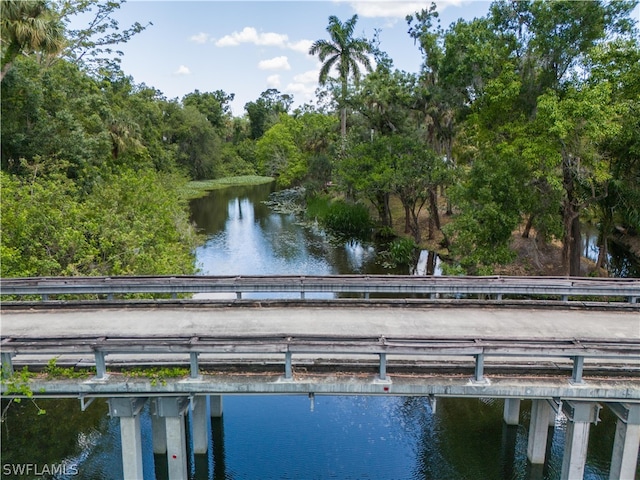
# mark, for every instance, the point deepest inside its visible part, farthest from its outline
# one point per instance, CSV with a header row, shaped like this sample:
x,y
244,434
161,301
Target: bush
x,y
349,220
344,219
402,251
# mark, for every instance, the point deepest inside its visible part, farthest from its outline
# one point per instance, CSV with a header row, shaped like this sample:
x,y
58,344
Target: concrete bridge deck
x,y
530,351
385,318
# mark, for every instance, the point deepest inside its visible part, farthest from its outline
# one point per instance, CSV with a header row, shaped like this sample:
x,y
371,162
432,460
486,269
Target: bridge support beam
x,y
215,406
158,434
626,442
538,430
580,415
128,410
511,412
199,425
172,409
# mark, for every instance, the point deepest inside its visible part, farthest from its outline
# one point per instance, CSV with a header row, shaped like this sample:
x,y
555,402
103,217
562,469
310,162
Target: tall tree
x,y
93,47
28,26
346,54
266,110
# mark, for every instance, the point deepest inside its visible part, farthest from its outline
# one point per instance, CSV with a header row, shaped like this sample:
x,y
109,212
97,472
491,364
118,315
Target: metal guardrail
x,y
498,287
325,348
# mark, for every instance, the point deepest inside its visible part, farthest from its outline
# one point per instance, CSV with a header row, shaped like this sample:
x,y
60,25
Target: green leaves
x,y
131,223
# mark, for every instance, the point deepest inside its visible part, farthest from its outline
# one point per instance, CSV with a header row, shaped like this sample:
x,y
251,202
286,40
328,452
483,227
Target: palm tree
x,y
28,26
346,54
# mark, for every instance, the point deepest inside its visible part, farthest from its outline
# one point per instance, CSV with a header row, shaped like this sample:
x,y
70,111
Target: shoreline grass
x,y
199,188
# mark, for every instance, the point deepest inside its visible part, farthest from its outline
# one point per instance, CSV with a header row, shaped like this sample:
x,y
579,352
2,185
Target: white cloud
x,y
301,46
251,35
182,70
277,63
273,81
307,92
310,76
200,38
393,9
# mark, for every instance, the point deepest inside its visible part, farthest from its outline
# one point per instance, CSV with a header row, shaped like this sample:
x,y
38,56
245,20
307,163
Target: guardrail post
x,y
633,299
479,370
288,373
45,297
383,366
238,295
565,298
7,364
193,360
101,365
578,366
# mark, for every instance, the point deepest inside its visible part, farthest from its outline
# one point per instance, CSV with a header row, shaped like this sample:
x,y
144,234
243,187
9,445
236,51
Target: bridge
x,y
570,345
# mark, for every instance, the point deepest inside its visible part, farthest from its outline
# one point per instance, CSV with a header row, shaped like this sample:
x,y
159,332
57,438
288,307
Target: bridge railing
x,y
495,287
329,349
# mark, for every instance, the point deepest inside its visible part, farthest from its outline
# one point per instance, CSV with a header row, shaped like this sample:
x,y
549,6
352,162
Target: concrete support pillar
x,y
173,409
538,430
626,442
127,410
511,411
159,434
580,416
131,447
176,448
199,424
215,404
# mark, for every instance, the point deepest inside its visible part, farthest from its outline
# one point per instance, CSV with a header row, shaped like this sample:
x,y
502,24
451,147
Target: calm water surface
x,y
293,437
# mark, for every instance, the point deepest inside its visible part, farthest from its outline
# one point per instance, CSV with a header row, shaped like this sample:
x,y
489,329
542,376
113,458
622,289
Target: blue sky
x,y
245,47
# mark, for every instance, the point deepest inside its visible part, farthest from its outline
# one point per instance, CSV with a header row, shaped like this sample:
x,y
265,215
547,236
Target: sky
x,y
246,47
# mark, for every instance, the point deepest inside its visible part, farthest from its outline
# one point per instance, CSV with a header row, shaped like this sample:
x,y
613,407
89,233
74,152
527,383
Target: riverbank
x,y
532,258
200,188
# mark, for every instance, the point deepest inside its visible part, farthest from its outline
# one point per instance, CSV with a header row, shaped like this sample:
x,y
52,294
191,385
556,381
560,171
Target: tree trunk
x,y
415,226
528,226
576,244
571,245
603,253
433,207
407,218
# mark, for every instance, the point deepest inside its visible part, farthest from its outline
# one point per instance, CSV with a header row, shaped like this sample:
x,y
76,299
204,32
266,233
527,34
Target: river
x,y
292,437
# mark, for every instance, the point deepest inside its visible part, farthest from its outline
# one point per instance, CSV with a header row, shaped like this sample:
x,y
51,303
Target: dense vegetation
x,y
527,118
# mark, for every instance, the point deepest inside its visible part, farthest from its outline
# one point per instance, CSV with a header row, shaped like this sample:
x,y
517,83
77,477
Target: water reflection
x,y
245,237
428,264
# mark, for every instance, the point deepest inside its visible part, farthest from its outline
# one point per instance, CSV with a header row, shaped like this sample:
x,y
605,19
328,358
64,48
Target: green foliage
x,y
490,204
158,375
279,156
400,252
54,371
266,110
348,219
344,219
198,189
286,149
28,26
92,47
17,383
345,53
131,223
